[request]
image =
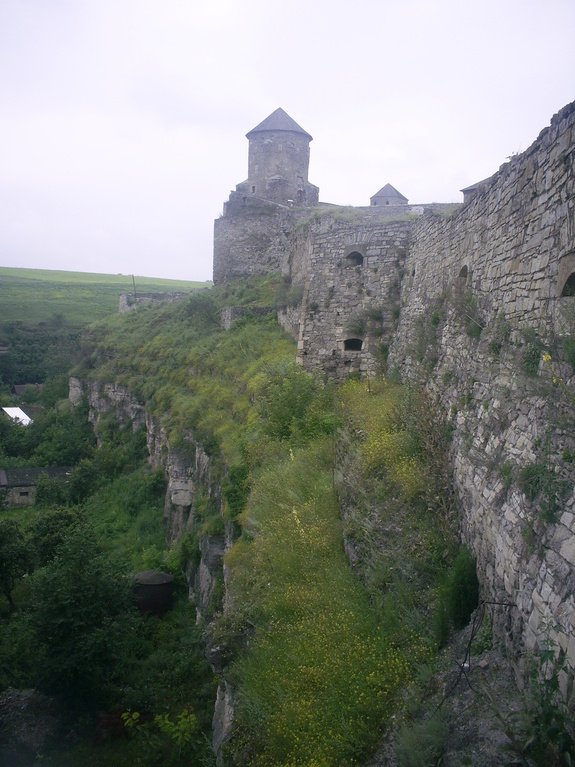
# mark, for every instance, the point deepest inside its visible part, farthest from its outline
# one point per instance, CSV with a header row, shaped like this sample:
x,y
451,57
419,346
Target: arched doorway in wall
x,y
354,258
568,289
566,276
461,282
354,255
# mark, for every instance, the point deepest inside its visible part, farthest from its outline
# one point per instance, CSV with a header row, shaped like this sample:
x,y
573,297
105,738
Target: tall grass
x,y
319,676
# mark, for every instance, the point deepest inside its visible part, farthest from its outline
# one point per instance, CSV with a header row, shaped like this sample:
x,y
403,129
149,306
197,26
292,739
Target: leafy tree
x,y
14,441
55,389
51,491
61,438
81,622
83,479
236,489
49,532
54,438
13,557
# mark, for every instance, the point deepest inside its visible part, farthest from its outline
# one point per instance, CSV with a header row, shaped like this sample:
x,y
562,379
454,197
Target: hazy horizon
x,y
123,122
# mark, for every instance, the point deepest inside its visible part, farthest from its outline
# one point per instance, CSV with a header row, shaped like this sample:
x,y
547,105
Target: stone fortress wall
x,y
455,298
504,260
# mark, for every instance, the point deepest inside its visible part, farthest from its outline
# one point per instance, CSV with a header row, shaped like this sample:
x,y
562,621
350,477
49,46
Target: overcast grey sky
x,y
123,122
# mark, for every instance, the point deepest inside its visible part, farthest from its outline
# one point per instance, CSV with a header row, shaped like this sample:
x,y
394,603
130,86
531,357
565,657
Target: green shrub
x,y
505,471
51,491
462,589
473,328
79,623
466,307
484,638
421,744
236,489
531,354
288,394
540,483
459,596
14,556
535,478
441,625
214,526
49,531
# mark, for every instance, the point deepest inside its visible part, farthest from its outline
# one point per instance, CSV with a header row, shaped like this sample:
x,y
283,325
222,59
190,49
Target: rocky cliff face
x,y
193,481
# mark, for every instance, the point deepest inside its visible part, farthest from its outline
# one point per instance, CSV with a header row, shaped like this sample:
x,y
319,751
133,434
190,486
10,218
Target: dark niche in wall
x,y
353,344
569,287
354,259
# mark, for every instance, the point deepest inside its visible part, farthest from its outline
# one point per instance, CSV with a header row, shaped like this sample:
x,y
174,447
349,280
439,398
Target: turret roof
x,y
389,191
279,121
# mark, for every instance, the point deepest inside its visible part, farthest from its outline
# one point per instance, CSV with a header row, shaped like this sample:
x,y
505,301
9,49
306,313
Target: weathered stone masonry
x,y
406,280
511,249
352,280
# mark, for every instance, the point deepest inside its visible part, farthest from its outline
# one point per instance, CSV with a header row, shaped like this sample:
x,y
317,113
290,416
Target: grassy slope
x,y
313,636
35,295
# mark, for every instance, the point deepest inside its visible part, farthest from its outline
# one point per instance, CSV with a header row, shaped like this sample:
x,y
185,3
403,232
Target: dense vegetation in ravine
x,y
319,654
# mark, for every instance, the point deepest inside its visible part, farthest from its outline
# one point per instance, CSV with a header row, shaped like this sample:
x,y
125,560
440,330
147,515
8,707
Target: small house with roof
x,y
18,415
388,195
470,191
18,486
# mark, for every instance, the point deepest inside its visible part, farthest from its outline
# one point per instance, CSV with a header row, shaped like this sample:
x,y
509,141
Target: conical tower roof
x,y
279,121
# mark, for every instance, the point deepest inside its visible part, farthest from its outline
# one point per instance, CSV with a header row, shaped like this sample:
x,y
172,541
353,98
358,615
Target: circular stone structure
x,y
154,591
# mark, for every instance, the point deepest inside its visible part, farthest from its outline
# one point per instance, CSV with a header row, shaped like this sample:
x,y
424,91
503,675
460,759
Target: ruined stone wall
x,y
351,270
129,301
252,238
480,296
480,292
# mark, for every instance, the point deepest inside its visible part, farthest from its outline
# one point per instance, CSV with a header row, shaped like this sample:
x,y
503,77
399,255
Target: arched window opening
x,y
354,259
463,273
353,344
569,287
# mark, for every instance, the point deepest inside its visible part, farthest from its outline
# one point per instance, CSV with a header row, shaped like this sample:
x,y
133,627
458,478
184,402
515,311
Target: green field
x,y
35,295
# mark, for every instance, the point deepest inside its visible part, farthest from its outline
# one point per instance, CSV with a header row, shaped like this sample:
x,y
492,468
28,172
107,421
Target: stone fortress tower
x,y
278,162
346,266
251,237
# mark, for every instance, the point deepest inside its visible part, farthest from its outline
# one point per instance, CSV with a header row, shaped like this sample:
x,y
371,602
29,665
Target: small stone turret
x,y
278,162
388,195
